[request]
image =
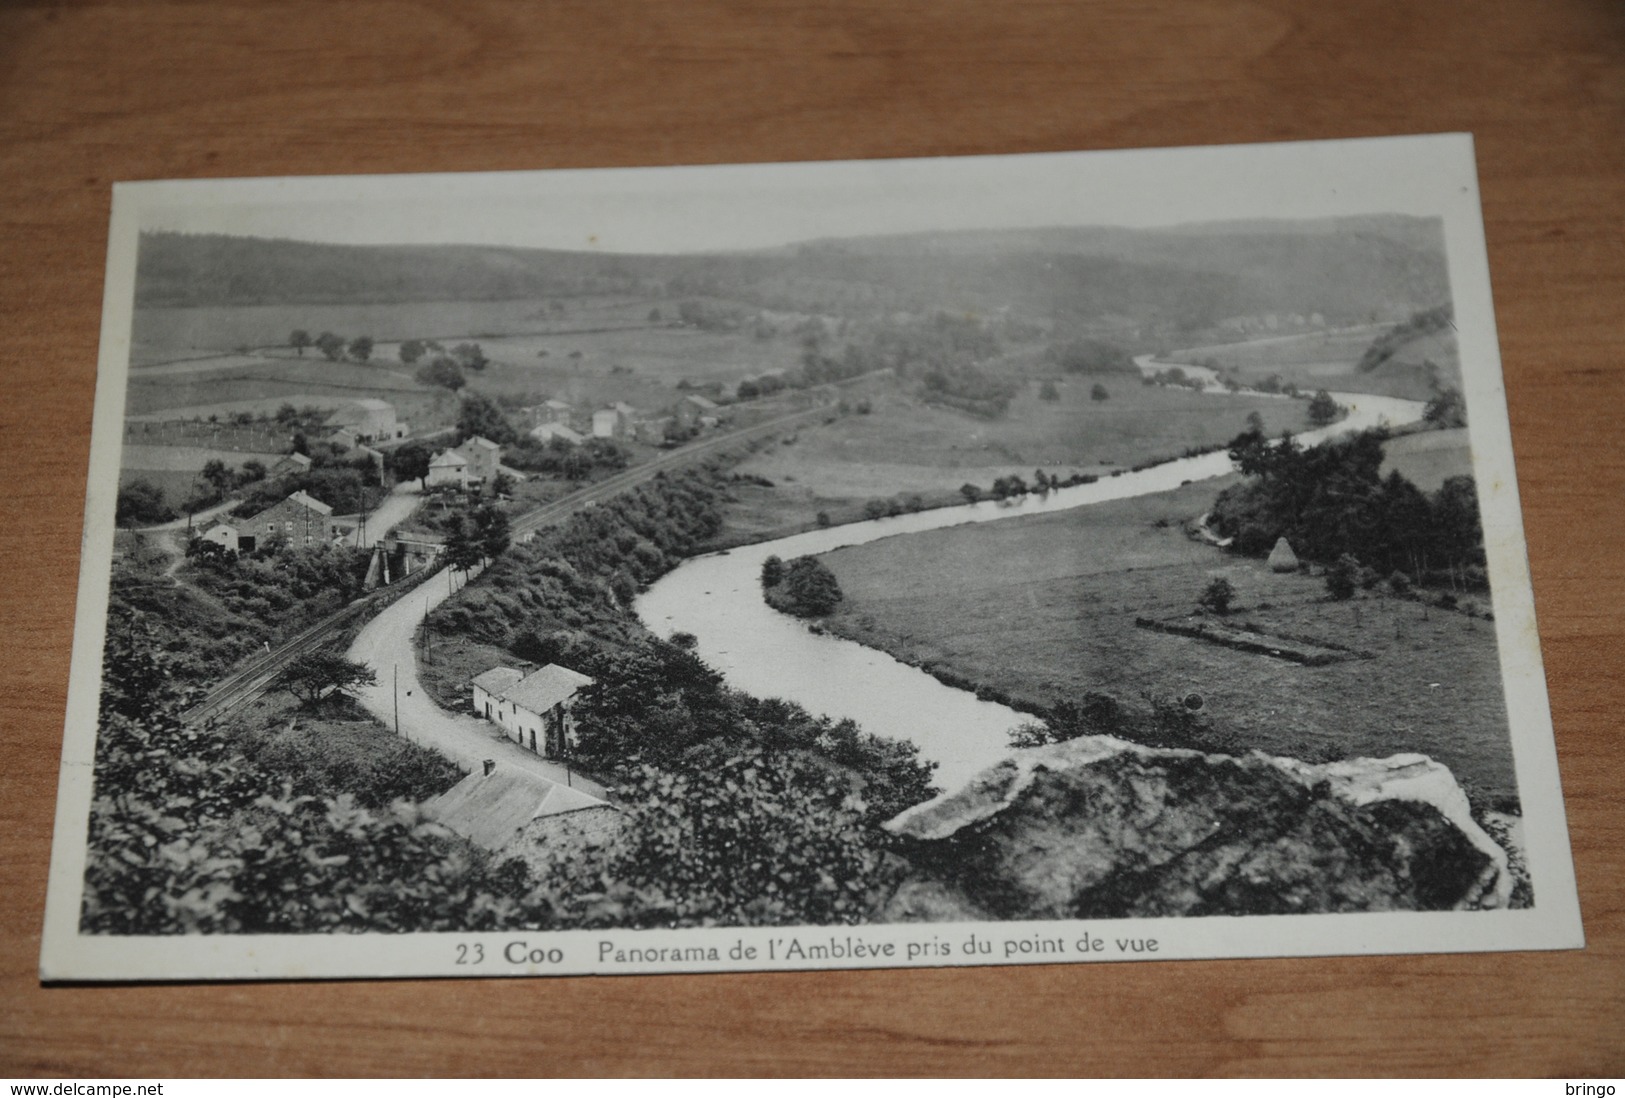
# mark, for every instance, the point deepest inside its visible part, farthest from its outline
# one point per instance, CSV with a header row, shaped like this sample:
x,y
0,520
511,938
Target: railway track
x,y
250,680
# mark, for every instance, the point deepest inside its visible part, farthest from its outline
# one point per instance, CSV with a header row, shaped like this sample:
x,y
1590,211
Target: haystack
x,y
1282,558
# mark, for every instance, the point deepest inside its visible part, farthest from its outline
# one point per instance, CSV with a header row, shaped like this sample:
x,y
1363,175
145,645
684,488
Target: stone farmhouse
x,y
300,519
533,709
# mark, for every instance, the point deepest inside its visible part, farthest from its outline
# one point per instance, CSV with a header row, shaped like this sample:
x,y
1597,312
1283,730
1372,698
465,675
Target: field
x,y
1043,609
1327,360
588,351
905,445
161,334
1428,458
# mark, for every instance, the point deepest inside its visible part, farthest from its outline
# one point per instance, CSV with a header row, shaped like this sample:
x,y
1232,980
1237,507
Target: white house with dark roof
x,y
448,467
533,709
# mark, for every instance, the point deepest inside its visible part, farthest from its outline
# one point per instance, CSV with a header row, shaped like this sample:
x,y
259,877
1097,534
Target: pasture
x,y
1328,360
1043,609
1428,458
906,445
160,334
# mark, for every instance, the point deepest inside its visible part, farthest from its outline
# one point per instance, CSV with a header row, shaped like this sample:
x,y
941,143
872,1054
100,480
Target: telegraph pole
x,y
397,693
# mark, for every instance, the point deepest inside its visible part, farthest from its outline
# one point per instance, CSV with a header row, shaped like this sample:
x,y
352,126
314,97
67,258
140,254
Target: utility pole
x,y
397,693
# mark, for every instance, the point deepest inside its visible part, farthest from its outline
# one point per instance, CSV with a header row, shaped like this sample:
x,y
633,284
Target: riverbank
x,y
1042,610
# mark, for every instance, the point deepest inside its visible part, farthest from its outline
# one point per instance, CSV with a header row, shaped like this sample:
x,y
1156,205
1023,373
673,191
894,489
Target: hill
x,y
1187,278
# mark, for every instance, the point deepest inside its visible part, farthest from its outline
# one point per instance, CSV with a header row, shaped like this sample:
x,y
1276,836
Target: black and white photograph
x,y
1035,559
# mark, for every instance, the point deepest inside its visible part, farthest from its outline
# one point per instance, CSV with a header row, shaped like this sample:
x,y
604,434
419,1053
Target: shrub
x,y
1218,596
1341,577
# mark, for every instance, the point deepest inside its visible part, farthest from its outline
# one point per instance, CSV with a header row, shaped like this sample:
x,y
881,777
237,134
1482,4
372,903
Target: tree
x,y
971,492
1255,423
410,461
299,340
331,346
772,571
219,476
314,675
491,531
1218,596
411,350
1098,392
252,471
470,356
1446,409
654,315
810,588
444,372
141,503
463,548
1323,409
1342,577
480,416
361,348
1048,391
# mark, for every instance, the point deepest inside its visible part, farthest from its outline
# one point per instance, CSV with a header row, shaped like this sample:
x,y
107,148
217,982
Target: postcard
x,y
999,560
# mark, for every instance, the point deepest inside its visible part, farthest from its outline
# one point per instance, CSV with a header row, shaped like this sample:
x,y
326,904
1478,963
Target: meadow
x,y
160,333
1328,360
1042,609
907,445
1428,458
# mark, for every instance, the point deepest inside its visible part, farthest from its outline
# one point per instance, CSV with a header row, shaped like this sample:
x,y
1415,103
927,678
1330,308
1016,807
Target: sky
x,y
725,208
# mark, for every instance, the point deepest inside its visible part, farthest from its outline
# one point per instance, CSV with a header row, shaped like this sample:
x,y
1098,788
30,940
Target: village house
x,y
448,467
618,420
484,459
300,519
291,463
533,709
223,534
547,432
549,411
693,410
371,419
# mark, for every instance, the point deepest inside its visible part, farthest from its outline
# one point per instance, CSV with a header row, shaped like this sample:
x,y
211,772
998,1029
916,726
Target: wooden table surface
x,y
96,92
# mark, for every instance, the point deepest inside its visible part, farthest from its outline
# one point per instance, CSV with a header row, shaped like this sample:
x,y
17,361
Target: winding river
x,y
718,599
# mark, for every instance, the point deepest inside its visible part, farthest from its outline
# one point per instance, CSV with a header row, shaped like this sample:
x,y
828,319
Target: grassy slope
x,y
907,446
1328,361
1043,608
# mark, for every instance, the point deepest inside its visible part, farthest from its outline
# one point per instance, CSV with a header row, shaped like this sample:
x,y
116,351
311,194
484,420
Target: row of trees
x,y
335,348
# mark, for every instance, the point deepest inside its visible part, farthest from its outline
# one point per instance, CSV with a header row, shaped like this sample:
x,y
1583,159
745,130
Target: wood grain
x,y
95,92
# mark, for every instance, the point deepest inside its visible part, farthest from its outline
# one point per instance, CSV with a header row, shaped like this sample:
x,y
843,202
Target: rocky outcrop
x,y
1099,827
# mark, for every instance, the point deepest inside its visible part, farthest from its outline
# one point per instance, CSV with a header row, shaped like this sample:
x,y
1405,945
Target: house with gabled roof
x,y
448,467
291,463
301,519
533,709
494,805
483,456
